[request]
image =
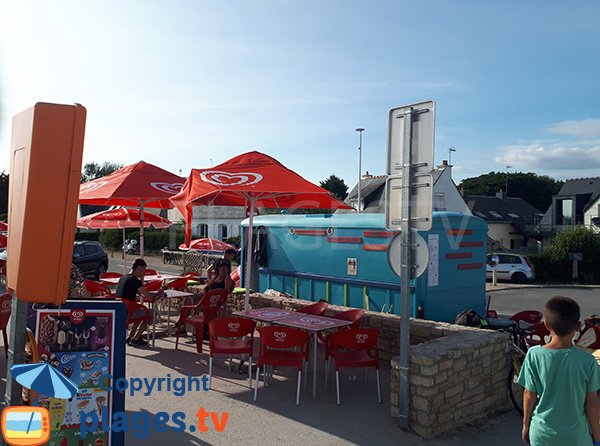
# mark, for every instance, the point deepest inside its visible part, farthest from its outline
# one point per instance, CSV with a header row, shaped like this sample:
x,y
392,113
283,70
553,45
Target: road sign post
x,y
408,207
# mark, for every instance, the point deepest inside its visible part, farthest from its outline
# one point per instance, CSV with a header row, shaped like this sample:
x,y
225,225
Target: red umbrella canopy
x,y
252,176
121,218
207,244
3,226
132,185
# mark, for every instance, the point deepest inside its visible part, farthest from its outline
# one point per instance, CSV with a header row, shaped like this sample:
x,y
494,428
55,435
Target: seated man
x,y
129,287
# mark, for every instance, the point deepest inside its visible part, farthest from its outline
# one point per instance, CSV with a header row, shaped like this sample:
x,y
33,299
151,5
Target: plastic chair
x,y
179,284
130,308
209,306
5,310
528,316
95,288
316,309
538,334
230,336
151,272
153,286
110,275
354,316
282,346
356,347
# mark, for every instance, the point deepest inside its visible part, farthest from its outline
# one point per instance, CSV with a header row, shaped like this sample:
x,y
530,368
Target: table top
x,y
310,322
264,314
293,319
152,278
177,294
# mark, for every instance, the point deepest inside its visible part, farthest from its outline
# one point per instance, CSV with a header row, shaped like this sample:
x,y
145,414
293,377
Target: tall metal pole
x,y
450,150
506,185
405,273
359,130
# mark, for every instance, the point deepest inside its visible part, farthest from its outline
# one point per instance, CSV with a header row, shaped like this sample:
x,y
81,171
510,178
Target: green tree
x,y
336,186
93,170
537,190
578,239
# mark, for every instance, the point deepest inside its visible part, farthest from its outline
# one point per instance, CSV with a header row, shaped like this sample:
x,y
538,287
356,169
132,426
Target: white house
x,y
218,222
591,216
446,196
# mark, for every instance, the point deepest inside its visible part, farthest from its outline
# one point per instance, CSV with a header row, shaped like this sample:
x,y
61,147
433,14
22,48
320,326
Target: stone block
x,y
417,380
429,370
454,390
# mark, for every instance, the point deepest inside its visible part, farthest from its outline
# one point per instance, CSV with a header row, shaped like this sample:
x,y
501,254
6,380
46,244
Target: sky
x,y
190,84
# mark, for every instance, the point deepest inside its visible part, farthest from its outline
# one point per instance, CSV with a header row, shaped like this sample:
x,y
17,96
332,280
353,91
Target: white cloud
x,y
555,156
584,127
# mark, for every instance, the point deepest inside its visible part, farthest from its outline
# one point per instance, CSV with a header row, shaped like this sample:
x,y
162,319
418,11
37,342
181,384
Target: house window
x,y
495,214
513,215
516,243
439,203
566,212
202,230
223,232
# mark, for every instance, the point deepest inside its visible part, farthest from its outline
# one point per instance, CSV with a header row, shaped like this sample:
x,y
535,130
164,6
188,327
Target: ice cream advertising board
x,y
80,344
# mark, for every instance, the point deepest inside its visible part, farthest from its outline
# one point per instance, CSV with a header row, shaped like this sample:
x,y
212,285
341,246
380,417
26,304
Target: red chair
x,y
153,286
282,346
356,347
230,336
538,334
130,309
95,288
110,275
209,306
316,309
5,310
151,272
528,316
179,284
354,316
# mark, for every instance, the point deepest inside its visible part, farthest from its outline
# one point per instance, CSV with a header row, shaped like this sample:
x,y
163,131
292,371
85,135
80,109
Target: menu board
x,y
80,344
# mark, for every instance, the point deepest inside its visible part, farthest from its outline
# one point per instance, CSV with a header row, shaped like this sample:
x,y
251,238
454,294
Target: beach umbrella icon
x,y
45,380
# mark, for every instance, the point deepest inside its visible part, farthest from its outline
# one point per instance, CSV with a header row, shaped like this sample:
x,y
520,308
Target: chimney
x,y
501,194
367,175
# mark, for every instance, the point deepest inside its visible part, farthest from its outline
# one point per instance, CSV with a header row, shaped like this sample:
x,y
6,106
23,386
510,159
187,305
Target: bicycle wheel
x,y
514,388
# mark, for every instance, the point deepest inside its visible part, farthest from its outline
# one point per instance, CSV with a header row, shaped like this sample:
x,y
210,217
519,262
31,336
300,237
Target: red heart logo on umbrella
x,y
89,187
169,188
280,335
219,178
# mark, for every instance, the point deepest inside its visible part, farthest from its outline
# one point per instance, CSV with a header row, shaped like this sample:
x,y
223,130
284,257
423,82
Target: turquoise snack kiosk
x,y
343,259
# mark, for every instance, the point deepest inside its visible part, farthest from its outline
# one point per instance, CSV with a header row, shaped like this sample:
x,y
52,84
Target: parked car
x,y
90,258
514,267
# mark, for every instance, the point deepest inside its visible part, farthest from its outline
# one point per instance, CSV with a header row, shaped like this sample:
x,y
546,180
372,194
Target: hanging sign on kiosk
x,y
45,169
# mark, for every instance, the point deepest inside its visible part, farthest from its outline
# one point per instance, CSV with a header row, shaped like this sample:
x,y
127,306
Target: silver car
x,y
514,267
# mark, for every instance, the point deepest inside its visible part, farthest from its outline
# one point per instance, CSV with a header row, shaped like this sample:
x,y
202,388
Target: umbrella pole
x,y
124,253
142,229
249,255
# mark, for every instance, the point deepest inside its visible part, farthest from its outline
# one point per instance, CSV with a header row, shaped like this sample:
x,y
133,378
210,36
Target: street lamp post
x,y
450,150
506,185
359,130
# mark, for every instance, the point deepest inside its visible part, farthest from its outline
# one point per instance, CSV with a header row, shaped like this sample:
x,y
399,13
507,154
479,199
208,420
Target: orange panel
x,y
46,152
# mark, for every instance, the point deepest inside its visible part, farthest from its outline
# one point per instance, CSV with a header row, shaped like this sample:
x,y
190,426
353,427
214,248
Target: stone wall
x,y
457,374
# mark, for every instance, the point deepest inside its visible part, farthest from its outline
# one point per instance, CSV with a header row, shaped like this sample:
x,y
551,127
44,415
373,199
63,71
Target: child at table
x,y
560,402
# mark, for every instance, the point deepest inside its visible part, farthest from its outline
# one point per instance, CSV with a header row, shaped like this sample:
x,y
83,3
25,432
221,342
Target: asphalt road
x,y
512,300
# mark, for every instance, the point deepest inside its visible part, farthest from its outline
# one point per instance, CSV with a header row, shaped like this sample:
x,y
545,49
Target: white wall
x,y
500,232
452,199
593,211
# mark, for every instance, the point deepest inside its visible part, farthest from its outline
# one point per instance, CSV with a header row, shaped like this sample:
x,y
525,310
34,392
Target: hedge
x,y
153,240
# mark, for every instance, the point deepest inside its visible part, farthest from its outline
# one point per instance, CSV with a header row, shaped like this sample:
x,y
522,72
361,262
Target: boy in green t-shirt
x,y
560,402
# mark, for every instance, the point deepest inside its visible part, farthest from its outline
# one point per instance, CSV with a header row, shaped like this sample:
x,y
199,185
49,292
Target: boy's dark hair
x,y
562,315
230,251
137,263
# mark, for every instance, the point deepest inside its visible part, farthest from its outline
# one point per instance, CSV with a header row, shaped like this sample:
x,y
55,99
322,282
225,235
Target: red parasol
x,y
208,244
3,226
252,179
120,219
140,185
